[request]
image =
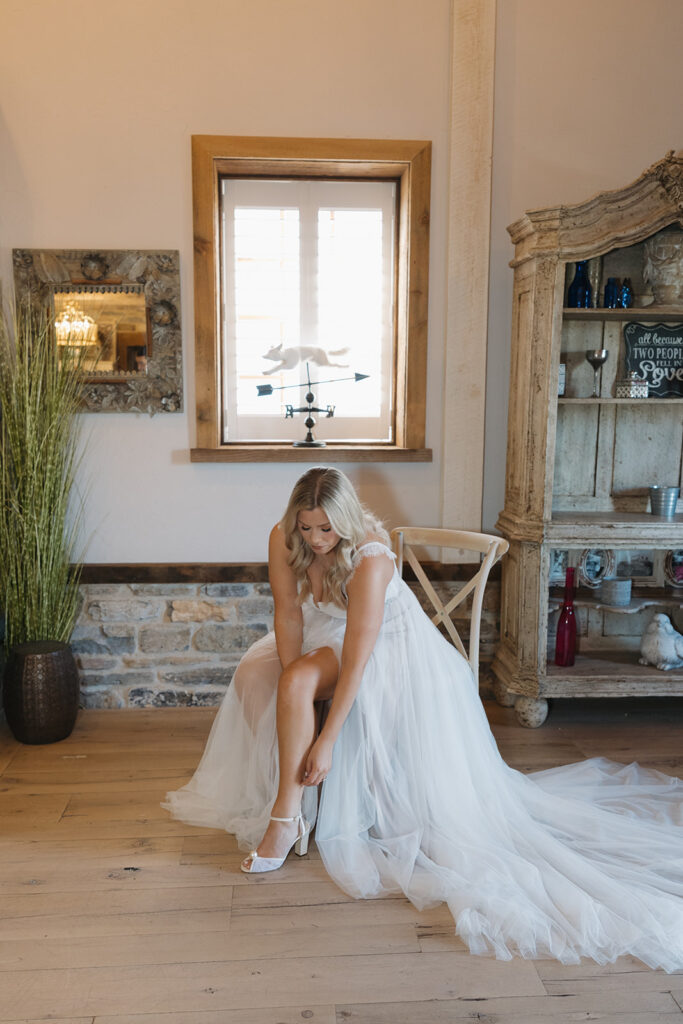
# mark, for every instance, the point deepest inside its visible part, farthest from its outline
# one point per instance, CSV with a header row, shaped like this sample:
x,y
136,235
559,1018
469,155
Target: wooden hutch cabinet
x,y
579,467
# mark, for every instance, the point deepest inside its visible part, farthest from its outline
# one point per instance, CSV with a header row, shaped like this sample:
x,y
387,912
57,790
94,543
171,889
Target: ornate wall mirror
x,y
123,308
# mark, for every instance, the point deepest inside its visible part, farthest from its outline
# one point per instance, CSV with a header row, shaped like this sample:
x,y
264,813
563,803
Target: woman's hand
x,y
318,762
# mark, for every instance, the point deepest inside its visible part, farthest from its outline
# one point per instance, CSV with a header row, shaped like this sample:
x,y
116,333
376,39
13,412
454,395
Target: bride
x,y
581,860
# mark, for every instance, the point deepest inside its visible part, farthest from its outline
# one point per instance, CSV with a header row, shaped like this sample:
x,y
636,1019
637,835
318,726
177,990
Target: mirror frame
x,y
38,272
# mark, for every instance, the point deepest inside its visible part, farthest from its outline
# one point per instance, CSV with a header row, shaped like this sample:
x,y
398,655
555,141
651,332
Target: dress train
x,y
584,860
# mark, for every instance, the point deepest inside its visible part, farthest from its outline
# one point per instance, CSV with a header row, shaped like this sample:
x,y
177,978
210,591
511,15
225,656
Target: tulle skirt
x,y
584,860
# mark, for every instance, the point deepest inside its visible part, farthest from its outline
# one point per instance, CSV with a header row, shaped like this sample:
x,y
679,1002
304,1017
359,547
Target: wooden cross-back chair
x,y
403,540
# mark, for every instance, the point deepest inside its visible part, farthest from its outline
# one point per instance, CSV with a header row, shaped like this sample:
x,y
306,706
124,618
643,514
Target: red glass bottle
x,y
565,643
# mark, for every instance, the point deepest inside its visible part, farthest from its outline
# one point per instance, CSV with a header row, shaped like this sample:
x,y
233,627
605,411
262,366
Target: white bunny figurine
x,y
661,645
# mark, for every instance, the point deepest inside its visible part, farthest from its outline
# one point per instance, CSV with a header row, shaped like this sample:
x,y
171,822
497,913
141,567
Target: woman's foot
x,y
281,835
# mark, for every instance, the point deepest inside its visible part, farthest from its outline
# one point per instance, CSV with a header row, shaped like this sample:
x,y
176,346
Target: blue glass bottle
x,y
579,293
611,293
626,294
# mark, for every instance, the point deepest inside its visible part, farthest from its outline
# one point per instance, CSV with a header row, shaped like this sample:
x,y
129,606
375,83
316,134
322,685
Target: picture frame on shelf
x,y
594,565
673,568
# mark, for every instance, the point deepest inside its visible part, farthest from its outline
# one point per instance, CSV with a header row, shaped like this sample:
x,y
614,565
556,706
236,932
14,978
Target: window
x,y
310,264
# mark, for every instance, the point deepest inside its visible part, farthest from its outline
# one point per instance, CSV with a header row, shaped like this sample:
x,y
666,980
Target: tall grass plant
x,y
40,396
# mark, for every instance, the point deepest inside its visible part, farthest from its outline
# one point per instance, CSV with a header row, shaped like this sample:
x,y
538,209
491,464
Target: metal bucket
x,y
663,500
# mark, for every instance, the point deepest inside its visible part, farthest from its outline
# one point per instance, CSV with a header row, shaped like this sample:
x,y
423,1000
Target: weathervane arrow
x,y
267,389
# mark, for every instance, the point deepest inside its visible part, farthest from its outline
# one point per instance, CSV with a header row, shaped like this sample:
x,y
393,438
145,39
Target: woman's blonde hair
x,y
332,491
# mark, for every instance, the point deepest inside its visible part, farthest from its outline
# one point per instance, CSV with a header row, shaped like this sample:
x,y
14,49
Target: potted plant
x,y
40,395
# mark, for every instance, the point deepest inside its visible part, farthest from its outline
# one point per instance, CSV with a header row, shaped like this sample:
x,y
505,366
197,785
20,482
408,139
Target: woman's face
x,y
314,527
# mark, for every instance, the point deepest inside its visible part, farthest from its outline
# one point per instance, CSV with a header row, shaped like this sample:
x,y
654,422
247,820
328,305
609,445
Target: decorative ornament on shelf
x,y
580,292
625,294
632,386
309,408
661,645
663,266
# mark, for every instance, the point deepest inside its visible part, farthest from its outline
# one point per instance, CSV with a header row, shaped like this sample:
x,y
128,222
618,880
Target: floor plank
x,y
232,985
515,1010
257,1015
226,944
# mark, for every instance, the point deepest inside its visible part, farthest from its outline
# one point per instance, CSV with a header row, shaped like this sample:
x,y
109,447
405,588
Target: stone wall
x,y
168,644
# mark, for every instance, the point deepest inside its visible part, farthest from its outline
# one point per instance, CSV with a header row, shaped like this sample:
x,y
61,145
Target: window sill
x,y
330,453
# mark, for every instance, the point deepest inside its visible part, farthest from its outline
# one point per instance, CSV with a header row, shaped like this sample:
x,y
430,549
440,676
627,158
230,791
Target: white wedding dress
x,y
582,860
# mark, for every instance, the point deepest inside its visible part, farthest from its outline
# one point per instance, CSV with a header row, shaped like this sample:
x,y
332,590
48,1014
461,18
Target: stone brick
x,y
226,589
202,675
223,638
175,698
132,609
102,699
165,589
118,590
164,637
158,698
154,661
99,680
95,641
202,611
263,607
263,588
93,662
119,629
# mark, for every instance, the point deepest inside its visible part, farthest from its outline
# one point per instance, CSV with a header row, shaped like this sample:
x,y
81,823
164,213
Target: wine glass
x,y
596,357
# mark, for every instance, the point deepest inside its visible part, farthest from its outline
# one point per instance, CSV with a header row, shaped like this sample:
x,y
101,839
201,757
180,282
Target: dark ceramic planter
x,y
41,691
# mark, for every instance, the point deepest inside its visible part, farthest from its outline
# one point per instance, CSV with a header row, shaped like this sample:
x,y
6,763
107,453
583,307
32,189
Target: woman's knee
x,y
307,677
296,682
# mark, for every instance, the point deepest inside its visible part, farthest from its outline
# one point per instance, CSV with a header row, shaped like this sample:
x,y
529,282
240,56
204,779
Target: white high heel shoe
x,y
255,863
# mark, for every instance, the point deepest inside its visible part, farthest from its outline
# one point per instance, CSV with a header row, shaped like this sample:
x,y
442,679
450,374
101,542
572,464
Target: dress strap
x,y
370,549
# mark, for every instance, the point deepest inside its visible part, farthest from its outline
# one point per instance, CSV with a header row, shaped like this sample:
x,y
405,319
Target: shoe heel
x,y
301,845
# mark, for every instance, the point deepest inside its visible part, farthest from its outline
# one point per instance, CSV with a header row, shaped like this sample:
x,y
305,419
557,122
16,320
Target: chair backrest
x,y
404,538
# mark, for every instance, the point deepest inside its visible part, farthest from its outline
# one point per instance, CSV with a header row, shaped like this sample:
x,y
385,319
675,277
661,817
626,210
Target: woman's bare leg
x,y
309,678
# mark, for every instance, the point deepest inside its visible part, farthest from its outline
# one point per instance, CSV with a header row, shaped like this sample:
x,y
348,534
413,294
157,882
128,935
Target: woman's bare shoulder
x,y
281,575
278,552
277,536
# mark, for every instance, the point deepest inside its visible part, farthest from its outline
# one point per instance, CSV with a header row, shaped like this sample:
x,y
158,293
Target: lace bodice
x,y
371,549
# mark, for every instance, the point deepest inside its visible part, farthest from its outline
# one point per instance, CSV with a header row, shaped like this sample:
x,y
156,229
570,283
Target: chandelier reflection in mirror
x,y
103,328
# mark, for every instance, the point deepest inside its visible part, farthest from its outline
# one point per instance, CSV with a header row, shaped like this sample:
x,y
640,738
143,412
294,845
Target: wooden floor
x,y
111,912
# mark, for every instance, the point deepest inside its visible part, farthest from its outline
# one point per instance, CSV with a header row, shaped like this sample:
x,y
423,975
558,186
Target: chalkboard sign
x,y
655,352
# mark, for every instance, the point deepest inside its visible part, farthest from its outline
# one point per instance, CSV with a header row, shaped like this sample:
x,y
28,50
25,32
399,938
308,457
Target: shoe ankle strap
x,y
295,818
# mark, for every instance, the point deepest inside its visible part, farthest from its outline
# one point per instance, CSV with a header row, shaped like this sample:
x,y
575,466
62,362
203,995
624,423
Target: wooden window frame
x,y
407,162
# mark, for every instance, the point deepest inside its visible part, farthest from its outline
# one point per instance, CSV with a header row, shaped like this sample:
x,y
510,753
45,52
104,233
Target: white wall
x,y
587,96
99,103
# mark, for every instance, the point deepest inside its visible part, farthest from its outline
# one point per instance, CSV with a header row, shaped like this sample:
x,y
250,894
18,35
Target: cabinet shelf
x,y
658,599
660,314
566,400
610,673
614,529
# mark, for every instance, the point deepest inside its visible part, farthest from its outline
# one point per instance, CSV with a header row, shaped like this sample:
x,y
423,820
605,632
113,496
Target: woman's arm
x,y
366,591
288,616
